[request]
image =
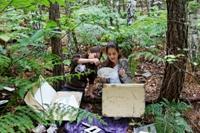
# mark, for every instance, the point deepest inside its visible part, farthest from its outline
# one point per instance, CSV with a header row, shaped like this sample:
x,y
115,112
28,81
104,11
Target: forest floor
x,y
151,75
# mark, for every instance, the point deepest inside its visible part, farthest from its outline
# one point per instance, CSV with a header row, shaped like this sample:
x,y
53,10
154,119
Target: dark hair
x,y
96,49
114,45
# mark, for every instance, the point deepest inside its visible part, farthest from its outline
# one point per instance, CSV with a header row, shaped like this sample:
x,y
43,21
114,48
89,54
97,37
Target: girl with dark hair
x,y
115,61
80,64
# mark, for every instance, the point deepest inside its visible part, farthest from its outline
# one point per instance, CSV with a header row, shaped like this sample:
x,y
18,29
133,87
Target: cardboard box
x,y
44,98
123,100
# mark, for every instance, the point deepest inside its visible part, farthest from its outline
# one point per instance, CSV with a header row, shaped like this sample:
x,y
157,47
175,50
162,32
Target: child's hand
x,y
95,61
122,72
104,80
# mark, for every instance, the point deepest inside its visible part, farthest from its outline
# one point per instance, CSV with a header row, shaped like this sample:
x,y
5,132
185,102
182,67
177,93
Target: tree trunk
x,y
118,4
131,8
58,70
194,34
148,5
176,43
124,5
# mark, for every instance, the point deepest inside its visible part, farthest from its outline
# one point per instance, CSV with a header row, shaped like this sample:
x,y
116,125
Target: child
x,y
115,61
82,63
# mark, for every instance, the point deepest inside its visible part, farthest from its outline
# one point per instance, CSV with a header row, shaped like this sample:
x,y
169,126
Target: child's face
x,y
113,55
94,55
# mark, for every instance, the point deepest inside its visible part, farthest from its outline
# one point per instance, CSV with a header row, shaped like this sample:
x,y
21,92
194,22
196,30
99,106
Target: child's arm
x,y
85,60
80,59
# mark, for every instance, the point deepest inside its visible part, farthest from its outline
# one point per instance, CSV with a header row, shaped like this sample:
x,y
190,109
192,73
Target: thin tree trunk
x,y
75,41
131,7
148,6
118,6
142,7
58,70
124,5
194,34
176,43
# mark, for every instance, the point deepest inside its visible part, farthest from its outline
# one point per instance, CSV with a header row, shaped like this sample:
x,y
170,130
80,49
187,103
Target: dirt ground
x,y
151,75
190,92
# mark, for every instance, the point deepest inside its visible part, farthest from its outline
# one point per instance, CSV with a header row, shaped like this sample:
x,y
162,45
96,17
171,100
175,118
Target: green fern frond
x,y
21,120
148,56
4,63
132,64
169,116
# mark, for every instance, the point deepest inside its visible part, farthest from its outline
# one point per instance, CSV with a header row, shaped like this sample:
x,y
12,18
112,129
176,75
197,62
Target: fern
x,y
83,114
193,6
4,63
132,64
20,120
58,111
148,56
168,116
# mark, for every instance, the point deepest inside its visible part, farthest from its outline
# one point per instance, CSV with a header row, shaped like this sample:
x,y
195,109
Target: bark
x,y
124,5
131,7
75,41
176,43
118,4
194,34
142,6
58,70
148,5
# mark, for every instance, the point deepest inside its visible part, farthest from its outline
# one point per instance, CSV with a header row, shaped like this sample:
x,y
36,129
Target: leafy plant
x,y
148,30
172,58
21,119
88,34
132,65
193,6
56,112
169,116
148,56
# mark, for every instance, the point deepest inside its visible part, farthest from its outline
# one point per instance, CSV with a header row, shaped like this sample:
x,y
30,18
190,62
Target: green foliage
x,y
88,33
148,56
20,120
132,64
95,24
173,58
196,61
169,116
23,55
4,63
83,114
193,6
148,30
57,111
93,15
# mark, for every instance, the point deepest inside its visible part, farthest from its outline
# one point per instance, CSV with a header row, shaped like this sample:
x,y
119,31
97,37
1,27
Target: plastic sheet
x,y
112,126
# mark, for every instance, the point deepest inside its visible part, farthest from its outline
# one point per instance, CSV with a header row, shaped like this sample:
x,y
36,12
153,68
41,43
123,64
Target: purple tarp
x,y
113,126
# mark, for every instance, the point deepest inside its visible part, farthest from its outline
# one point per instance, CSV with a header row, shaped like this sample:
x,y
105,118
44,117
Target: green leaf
x,y
67,62
34,38
22,3
4,37
51,24
43,2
